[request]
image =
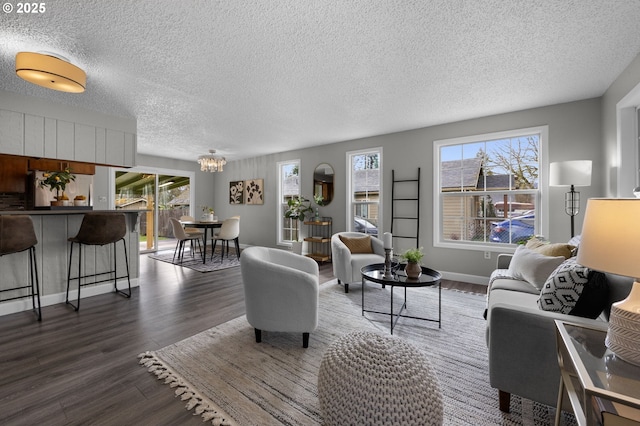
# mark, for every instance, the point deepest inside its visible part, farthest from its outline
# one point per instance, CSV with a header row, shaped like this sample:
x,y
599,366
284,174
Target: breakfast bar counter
x,y
53,227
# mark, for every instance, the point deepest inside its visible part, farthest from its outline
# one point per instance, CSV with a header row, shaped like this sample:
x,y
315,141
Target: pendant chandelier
x,y
210,162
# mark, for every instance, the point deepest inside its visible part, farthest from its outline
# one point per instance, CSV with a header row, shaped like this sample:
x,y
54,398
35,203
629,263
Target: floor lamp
x,y
572,174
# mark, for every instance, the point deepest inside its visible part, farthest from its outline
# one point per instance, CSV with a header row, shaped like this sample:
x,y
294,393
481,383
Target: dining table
x,y
206,225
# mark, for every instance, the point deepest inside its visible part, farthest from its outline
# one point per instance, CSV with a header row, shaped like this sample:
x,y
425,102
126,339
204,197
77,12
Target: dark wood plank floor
x,y
81,368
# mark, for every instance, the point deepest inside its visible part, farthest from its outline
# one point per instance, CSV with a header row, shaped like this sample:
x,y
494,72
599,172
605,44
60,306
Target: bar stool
x,y
99,229
17,235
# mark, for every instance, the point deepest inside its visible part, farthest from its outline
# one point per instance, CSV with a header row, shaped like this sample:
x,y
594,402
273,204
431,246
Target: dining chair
x,y
180,234
191,230
230,230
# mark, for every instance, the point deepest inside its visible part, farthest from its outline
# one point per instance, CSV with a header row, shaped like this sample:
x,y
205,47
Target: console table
x,y
601,388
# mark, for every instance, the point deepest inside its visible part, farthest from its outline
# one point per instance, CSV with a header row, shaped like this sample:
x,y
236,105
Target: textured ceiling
x,y
254,77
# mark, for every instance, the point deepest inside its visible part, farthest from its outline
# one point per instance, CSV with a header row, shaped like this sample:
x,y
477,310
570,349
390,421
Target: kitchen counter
x,y
53,228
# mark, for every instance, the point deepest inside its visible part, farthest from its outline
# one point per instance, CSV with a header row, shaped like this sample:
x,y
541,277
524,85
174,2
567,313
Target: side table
x,y
600,386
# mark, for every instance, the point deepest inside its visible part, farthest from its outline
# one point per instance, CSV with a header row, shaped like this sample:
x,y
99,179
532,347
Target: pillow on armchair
x,y
357,245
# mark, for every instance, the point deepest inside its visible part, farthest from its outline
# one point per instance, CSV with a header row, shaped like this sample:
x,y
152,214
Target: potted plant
x,y
413,258
297,209
207,213
57,181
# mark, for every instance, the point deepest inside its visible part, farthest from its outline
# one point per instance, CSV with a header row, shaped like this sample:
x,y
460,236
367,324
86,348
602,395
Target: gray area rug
x,y
195,262
223,375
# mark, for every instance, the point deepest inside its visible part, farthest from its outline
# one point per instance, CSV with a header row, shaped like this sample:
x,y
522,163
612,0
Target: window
x,y
364,171
288,187
488,188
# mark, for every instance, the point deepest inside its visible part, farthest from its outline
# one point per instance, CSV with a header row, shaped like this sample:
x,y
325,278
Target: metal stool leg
x,y
35,284
126,261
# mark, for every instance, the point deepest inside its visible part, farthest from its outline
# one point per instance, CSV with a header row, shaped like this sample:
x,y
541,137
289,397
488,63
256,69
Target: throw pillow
x,y
557,249
357,244
573,289
533,267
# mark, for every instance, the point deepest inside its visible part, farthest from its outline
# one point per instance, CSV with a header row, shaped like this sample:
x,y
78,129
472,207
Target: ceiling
x,y
249,78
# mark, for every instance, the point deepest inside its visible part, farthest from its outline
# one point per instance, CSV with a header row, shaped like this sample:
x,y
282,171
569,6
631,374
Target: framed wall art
x,y
236,192
254,191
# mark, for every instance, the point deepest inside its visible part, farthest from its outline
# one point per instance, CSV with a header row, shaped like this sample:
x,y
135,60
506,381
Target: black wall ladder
x,y
409,196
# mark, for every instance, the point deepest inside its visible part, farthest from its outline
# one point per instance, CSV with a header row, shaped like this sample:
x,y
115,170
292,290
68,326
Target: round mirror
x,y
323,184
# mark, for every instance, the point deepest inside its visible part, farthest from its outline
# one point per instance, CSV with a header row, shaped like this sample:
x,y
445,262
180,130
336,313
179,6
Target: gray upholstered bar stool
x,y
17,235
99,229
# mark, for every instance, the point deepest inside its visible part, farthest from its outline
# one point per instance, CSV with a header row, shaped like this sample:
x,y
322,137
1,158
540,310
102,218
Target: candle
x,y
388,240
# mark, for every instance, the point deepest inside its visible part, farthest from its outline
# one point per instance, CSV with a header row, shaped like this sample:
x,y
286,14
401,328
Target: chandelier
x,y
211,163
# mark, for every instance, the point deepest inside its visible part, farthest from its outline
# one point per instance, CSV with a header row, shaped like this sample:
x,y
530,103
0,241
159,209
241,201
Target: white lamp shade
x,y
567,173
610,239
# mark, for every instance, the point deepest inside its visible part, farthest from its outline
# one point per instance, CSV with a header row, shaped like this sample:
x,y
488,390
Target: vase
x,y
413,270
296,247
56,203
207,217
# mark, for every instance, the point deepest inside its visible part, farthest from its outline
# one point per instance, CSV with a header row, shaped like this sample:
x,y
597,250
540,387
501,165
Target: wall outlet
x,y
102,199
487,255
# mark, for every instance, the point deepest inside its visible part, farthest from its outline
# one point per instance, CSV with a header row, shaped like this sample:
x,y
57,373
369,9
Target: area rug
x,y
195,262
223,375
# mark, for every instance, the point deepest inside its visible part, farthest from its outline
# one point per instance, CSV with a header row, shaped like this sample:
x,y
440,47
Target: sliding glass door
x,y
160,196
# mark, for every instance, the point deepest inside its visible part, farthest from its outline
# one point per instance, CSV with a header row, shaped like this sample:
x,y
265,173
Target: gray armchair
x,y
347,265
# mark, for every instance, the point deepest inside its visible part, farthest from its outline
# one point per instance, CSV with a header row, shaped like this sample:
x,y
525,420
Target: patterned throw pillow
x,y
357,244
574,290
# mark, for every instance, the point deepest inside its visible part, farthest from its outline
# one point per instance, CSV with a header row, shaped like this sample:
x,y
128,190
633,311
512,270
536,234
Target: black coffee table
x,y
429,278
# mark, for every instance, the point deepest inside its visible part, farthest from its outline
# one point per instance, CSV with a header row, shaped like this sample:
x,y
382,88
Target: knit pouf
x,y
367,378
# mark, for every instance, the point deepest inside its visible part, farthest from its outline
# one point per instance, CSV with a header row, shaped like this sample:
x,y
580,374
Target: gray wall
x,y
574,133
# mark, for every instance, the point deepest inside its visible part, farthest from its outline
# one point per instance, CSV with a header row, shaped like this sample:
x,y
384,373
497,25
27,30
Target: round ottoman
x,y
368,378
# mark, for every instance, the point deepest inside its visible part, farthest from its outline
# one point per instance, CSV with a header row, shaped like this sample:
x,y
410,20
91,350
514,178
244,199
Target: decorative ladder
x,y
414,184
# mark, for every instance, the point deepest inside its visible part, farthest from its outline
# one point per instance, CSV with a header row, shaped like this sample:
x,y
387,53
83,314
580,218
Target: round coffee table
x,y
429,278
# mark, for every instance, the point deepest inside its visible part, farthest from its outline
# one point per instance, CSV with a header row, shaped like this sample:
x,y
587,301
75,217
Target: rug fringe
x,y
200,407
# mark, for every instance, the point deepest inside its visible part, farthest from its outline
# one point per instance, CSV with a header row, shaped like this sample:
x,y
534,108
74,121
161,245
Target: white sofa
x,y
347,265
280,291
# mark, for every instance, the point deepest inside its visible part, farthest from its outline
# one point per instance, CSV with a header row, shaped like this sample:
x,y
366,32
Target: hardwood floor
x,y
81,368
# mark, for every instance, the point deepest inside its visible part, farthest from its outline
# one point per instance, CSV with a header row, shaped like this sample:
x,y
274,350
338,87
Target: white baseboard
x,y
20,305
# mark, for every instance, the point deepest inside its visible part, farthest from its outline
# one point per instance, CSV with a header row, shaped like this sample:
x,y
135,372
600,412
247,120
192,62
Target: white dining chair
x,y
230,230
182,237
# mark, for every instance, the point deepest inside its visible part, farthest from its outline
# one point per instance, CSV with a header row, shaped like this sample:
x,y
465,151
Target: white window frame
x,y
542,198
349,174
279,208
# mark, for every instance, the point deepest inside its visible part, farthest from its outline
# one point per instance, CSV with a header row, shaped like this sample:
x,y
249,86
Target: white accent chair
x,y
280,291
346,265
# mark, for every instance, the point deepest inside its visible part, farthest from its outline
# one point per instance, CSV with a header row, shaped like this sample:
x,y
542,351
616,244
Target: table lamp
x,y
572,174
611,243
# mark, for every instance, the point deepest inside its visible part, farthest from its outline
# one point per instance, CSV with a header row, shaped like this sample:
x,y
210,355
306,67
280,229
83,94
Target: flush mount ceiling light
x,y
47,70
211,163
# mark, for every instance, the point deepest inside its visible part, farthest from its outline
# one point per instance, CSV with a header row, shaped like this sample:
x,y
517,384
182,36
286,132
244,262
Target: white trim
x,y
542,219
21,305
349,196
627,158
279,212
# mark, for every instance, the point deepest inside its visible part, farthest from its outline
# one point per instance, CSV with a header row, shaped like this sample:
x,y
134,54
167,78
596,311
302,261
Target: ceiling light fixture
x,y
52,72
210,162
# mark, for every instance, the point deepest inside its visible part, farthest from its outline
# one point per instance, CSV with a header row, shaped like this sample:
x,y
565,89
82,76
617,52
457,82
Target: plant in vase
x,y
413,258
207,213
57,181
297,209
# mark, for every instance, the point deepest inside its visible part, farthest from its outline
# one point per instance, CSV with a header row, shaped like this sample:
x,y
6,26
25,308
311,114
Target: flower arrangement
x,y
319,199
57,181
413,255
207,209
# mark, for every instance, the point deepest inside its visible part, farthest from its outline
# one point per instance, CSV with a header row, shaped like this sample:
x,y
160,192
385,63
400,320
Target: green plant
x,y
207,209
57,181
319,199
298,208
413,255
